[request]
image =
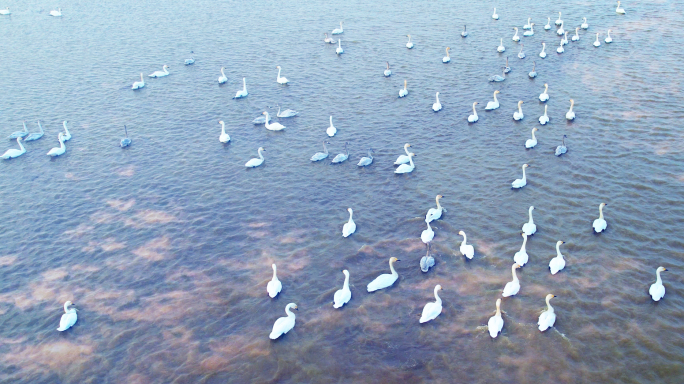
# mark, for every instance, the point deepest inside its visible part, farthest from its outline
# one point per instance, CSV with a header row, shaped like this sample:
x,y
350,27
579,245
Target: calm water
x,y
166,246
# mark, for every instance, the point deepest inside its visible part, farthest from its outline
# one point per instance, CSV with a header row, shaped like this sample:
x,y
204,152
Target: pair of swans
x,y
531,143
274,286
331,131
403,92
407,168
446,58
36,135
518,115
600,224
365,161
493,104
529,228
341,157
512,287
12,153
224,138
279,79
473,118
409,45
222,79
164,72
519,183
561,149
342,296
318,156
57,151
284,324
544,96
350,226
435,213
138,84
557,263
339,49
530,32
432,310
69,317
243,92
387,72
253,163
125,141
657,289
437,105
274,126
543,119
466,249
385,280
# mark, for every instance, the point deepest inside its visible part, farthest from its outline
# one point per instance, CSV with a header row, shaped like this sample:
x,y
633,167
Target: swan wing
x,y
556,265
511,288
657,291
67,321
495,325
403,159
274,287
521,258
342,297
546,320
282,326
430,312
382,281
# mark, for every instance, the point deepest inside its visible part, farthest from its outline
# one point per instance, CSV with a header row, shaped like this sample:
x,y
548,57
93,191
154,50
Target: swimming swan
x,y
342,296
409,45
548,317
437,105
224,138
519,114
35,136
222,79
561,149
608,39
427,261
512,287
533,74
584,24
544,96
435,213
521,256
530,228
543,119
564,40
126,141
387,72
243,92
600,223
273,126
328,40
557,263
256,162
138,84
466,249
286,113
274,286
446,58
501,47
428,234
559,21
521,54
560,30
384,280
58,12
162,73
403,92
657,289
342,157
527,26
432,310
67,135
576,37
516,38
597,43
570,115
284,324
618,10
280,80
12,153
350,226
69,317
21,134
339,30
473,118
331,131
493,104
366,160
58,150
494,15
403,159
321,155
498,78
495,324
530,32
548,24
560,48
406,168
465,32
542,54
531,143
519,183
191,60
5,11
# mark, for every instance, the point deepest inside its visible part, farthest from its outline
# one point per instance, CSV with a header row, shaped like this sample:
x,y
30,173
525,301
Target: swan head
x,y
461,233
516,29
603,205
535,129
550,296
350,210
520,103
531,208
660,269
69,303
437,93
393,259
293,306
264,113
610,30
572,102
407,145
525,166
497,91
560,242
448,48
261,149
346,273
439,196
165,66
531,24
438,287
412,155
516,266
278,66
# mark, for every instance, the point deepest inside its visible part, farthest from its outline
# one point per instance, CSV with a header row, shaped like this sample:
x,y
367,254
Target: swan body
x,y
495,16
328,40
512,287
342,296
365,161
530,228
521,54
403,92
608,39
495,323
437,105
387,72
560,30
428,234
501,47
190,61
67,135
432,310
273,126
384,280
561,149
548,24
498,78
256,162
597,43
434,213
584,24
286,113
409,45
69,317
533,74
274,286
519,114
406,168
243,92
54,152
527,26
531,143
339,30
342,157
349,227
544,96
473,118
657,289
543,119
403,159
279,79
224,138
222,79
162,73
576,37
21,134
125,142
542,54
321,155
12,153
618,10
446,58
559,21
284,324
519,183
5,11
570,115
521,256
35,136
530,32
466,249
138,84
331,131
516,38
427,261
548,317
557,263
56,13
600,223
465,32
493,104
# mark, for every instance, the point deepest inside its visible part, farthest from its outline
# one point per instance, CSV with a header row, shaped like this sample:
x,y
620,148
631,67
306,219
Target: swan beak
x,y
562,242
398,260
665,269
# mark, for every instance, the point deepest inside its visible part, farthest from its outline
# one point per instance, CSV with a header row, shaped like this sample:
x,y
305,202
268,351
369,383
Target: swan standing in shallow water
x,y
548,317
437,105
384,280
600,223
561,149
465,32
339,30
597,43
516,38
576,37
339,49
350,226
501,47
403,92
243,92
409,45
657,289
54,152
331,131
548,24
274,286
12,153
365,161
342,296
493,104
560,48
608,39
543,119
434,213
618,10
544,96
162,73
531,143
521,256
58,12
328,40
533,74
321,155
495,324
223,137
387,72
126,141
342,157
557,263
21,134
529,228
286,113
67,135
428,234
432,310
274,126
446,58
139,84
256,162
284,324
403,159
570,115
495,16
406,168
281,80
584,24
466,249
560,30
521,54
222,79
542,54
530,32
473,118
427,261
512,287
519,183
519,114
69,317
36,136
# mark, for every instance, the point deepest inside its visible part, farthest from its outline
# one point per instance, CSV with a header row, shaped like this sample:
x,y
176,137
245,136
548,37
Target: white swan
x,y
37,135
339,30
618,10
256,162
570,115
162,73
191,60
5,11
542,54
280,80
530,32
435,213
384,280
498,78
608,39
584,24
409,45
564,40
521,256
224,138
576,37
436,106
533,74
285,113
501,47
557,263
69,317
495,324
600,223
342,296
493,104
406,168
531,143
331,131
521,54
561,149
387,72
560,30
548,317
58,150
544,96
473,118
350,226
543,119
403,159
527,26
428,234
516,38
12,153
272,126
466,249
21,134
243,92
427,261
519,183
403,92
366,160
512,287
222,79
67,135
446,58
530,228
321,155
657,289
465,32
138,84
274,286
560,48
432,310
284,324
518,115
58,12
494,15
328,40
597,43
342,157
548,24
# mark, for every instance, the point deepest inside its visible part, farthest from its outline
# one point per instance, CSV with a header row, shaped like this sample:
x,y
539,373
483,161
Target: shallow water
x,y
166,246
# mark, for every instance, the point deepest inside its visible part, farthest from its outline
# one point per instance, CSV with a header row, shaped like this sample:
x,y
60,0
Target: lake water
x,y
166,246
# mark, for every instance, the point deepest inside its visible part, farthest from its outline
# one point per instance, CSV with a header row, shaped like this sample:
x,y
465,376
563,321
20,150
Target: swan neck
x,y
600,211
289,312
658,280
525,179
495,100
260,154
351,213
41,127
548,304
558,252
530,212
66,307
438,205
465,238
515,277
438,300
474,111
278,72
406,150
325,148
498,308
275,276
411,161
346,281
533,138
394,273
524,243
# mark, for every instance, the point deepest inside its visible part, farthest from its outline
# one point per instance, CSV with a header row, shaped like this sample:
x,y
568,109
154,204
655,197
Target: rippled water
x,y
166,246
